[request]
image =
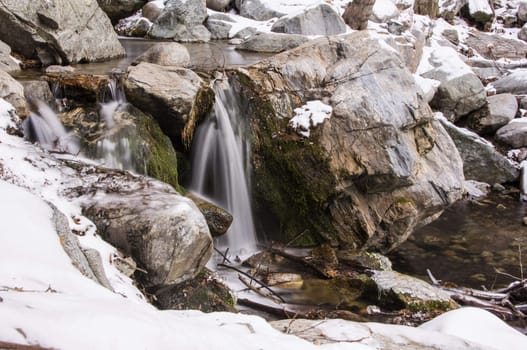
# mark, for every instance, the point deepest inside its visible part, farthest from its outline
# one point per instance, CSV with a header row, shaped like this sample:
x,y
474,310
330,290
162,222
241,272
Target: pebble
x,y
525,220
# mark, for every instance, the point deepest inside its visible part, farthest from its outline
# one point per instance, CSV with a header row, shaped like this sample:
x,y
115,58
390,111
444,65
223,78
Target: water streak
x,y
220,168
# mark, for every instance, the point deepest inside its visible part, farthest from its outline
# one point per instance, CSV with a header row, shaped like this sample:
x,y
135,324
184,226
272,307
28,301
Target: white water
x,y
220,167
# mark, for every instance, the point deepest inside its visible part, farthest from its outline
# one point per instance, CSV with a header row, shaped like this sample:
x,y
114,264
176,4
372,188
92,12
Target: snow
x,y
476,189
384,10
427,86
309,116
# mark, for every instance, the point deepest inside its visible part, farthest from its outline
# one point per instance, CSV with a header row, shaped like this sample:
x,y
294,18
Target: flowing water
x,y
220,169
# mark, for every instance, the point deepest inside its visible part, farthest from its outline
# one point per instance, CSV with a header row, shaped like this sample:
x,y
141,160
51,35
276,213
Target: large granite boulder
x,y
117,9
460,91
272,42
514,133
514,83
13,92
318,20
376,165
181,20
59,31
500,110
481,161
7,63
166,54
175,96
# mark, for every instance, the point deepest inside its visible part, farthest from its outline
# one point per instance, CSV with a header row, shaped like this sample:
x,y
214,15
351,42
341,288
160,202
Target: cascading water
x,y
220,167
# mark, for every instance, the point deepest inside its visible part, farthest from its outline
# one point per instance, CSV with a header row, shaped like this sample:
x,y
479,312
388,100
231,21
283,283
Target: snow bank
x,y
309,116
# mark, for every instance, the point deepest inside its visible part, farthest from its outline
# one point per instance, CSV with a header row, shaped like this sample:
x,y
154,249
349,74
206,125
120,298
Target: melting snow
x,y
310,115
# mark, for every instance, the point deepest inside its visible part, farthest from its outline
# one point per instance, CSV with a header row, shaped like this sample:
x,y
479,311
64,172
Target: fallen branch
x,y
258,291
300,260
14,346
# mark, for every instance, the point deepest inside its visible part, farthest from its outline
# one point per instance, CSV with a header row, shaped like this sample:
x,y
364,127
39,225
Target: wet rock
x,y
181,20
514,133
38,90
59,32
357,13
151,10
481,161
494,46
117,9
271,42
514,83
13,92
218,219
7,63
175,96
82,87
166,54
501,109
319,20
218,5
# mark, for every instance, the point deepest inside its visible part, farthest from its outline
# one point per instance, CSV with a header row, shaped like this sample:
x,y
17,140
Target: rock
x,y
449,9
481,11
181,20
525,220
219,28
271,42
354,180
522,11
400,291
481,161
117,9
139,29
383,11
59,32
83,87
514,133
428,87
460,91
218,219
372,261
262,10
164,232
151,10
428,8
175,96
319,20
357,13
59,69
514,83
166,54
494,47
218,5
38,90
500,110
7,63
522,34
13,92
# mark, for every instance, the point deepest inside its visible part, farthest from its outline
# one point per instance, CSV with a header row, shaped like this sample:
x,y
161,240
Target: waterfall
x,y
220,166
44,127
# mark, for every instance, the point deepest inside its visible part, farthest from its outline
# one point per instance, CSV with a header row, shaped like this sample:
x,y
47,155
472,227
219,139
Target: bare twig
x,y
435,282
224,255
16,346
258,291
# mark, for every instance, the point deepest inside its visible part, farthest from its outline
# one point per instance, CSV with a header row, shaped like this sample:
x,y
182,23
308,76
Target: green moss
x,y
404,200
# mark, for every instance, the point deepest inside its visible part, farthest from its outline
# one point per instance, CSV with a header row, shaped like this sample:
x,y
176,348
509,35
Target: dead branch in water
x,y
299,260
259,291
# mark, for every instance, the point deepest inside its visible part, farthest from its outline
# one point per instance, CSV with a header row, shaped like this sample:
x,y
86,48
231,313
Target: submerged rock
x,y
373,170
60,31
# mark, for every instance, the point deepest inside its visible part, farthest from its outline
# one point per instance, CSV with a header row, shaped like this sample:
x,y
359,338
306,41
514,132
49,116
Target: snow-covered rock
x,y
480,11
317,20
383,11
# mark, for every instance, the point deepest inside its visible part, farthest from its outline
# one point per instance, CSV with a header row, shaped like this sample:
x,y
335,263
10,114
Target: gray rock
x,y
522,34
449,9
13,92
170,94
151,11
219,29
272,42
513,134
7,64
117,9
523,102
522,11
140,28
257,10
166,54
218,5
501,109
182,20
494,46
357,13
218,219
319,20
514,83
481,11
59,69
481,161
60,31
38,90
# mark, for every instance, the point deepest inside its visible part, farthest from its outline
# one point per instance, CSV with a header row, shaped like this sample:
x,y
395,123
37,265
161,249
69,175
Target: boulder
x,y
480,11
262,10
522,11
218,219
38,90
514,83
522,34
514,134
481,161
449,9
383,11
60,31
13,92
78,86
117,9
494,46
374,165
218,5
500,110
460,91
428,8
271,42
318,20
175,96
182,20
166,54
7,63
357,13
219,26
152,10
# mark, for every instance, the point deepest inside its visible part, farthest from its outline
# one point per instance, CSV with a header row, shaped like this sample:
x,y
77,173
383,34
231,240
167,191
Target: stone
x,y
262,10
522,34
7,63
428,8
151,10
318,20
59,69
501,109
522,11
13,92
175,96
182,20
494,46
166,54
218,219
78,86
354,181
58,32
481,11
271,42
140,28
449,9
514,83
460,91
383,11
218,5
117,9
219,29
481,161
514,133
38,90
357,13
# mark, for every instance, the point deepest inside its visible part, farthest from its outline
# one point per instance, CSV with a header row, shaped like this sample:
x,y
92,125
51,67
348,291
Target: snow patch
x,y
309,116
